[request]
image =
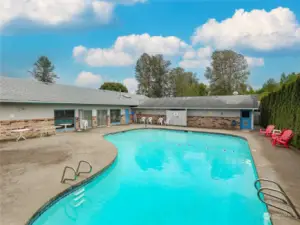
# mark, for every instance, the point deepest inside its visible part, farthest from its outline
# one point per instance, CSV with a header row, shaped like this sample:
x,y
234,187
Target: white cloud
x,y
127,49
79,51
55,12
103,10
131,84
202,57
107,57
88,79
138,44
42,11
194,63
255,62
257,29
196,59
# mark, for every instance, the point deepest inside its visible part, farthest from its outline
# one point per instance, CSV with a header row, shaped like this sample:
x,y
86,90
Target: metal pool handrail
x,y
78,167
287,201
63,179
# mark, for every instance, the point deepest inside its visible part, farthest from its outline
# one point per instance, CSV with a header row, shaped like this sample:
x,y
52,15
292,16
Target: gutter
x,y
184,108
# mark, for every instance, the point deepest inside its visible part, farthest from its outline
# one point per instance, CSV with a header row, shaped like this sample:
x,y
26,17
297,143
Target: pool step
x,y
80,191
79,197
79,203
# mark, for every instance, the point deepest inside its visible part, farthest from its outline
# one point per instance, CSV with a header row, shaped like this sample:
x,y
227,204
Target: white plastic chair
x,y
150,120
84,124
143,120
167,121
160,121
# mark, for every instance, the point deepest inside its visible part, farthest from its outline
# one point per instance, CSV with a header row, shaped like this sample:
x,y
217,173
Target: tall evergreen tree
x,y
43,70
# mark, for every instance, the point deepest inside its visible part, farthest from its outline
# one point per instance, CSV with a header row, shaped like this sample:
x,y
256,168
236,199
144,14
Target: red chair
x,y
268,131
275,135
284,139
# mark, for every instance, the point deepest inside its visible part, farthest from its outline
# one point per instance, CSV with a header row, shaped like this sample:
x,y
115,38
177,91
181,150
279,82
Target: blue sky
x,y
92,41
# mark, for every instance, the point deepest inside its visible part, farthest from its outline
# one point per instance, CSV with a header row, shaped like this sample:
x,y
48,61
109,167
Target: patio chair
x,y
167,121
150,120
160,121
284,139
143,119
268,131
278,134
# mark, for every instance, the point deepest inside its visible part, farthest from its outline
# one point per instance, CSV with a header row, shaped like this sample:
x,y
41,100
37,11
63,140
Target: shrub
x,y
282,108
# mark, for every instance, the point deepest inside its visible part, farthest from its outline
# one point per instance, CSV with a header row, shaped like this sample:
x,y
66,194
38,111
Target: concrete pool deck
x,y
31,170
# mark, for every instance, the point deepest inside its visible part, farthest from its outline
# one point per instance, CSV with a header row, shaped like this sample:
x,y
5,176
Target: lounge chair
x,y
150,120
284,139
268,131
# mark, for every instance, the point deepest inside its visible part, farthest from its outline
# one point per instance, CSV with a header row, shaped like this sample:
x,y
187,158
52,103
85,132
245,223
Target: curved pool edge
x,y
73,188
69,190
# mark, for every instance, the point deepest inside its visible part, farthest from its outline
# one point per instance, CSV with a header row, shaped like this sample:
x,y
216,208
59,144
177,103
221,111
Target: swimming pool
x,y
163,177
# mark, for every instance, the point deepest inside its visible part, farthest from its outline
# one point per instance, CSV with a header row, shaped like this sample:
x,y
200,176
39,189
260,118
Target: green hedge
x,y
282,108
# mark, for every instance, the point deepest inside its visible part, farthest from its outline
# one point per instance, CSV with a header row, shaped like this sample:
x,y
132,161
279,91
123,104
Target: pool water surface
x,y
163,177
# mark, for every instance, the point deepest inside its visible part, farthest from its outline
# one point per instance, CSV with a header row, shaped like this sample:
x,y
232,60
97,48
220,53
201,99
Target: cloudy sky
x,y
92,41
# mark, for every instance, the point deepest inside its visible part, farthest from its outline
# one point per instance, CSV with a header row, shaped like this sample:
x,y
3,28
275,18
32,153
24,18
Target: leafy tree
x,y
270,85
143,75
114,86
228,72
152,74
44,70
186,83
287,79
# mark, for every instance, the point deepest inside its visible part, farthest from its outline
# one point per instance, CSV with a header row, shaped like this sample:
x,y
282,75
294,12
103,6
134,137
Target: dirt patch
x,y
40,156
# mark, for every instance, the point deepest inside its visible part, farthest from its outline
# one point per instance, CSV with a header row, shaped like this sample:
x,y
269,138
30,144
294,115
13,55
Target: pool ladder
x,y
76,173
285,201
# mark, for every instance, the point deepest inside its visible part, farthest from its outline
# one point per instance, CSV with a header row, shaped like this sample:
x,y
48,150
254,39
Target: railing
x,y
286,200
78,167
76,173
63,179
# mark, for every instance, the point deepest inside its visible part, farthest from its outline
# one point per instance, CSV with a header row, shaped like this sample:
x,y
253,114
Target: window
x,y
115,115
245,114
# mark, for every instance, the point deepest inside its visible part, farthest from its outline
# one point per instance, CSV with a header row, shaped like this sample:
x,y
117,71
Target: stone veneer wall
x,y
123,120
202,122
94,121
6,126
213,122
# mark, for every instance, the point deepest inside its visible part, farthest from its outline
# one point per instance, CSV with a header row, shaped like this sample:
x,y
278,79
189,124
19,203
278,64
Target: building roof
x,y
31,91
202,102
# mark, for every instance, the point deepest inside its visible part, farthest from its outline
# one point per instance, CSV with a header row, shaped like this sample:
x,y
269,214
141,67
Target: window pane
x,y
115,115
245,114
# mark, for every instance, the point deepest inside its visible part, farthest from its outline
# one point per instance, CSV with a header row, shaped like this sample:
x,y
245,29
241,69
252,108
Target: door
x,y
101,117
246,122
127,116
177,117
87,115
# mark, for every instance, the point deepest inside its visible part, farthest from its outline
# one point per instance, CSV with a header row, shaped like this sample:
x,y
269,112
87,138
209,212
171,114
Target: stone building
x,y
228,112
30,104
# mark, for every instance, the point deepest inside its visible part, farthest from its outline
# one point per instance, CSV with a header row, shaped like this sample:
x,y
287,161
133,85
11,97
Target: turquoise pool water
x,y
168,178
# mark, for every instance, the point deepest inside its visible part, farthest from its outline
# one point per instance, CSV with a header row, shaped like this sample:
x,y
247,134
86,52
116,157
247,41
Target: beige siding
x,y
21,111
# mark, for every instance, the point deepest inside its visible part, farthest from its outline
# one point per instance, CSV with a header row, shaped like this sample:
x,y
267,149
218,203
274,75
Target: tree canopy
x,y
156,79
186,83
114,86
43,70
228,73
152,74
